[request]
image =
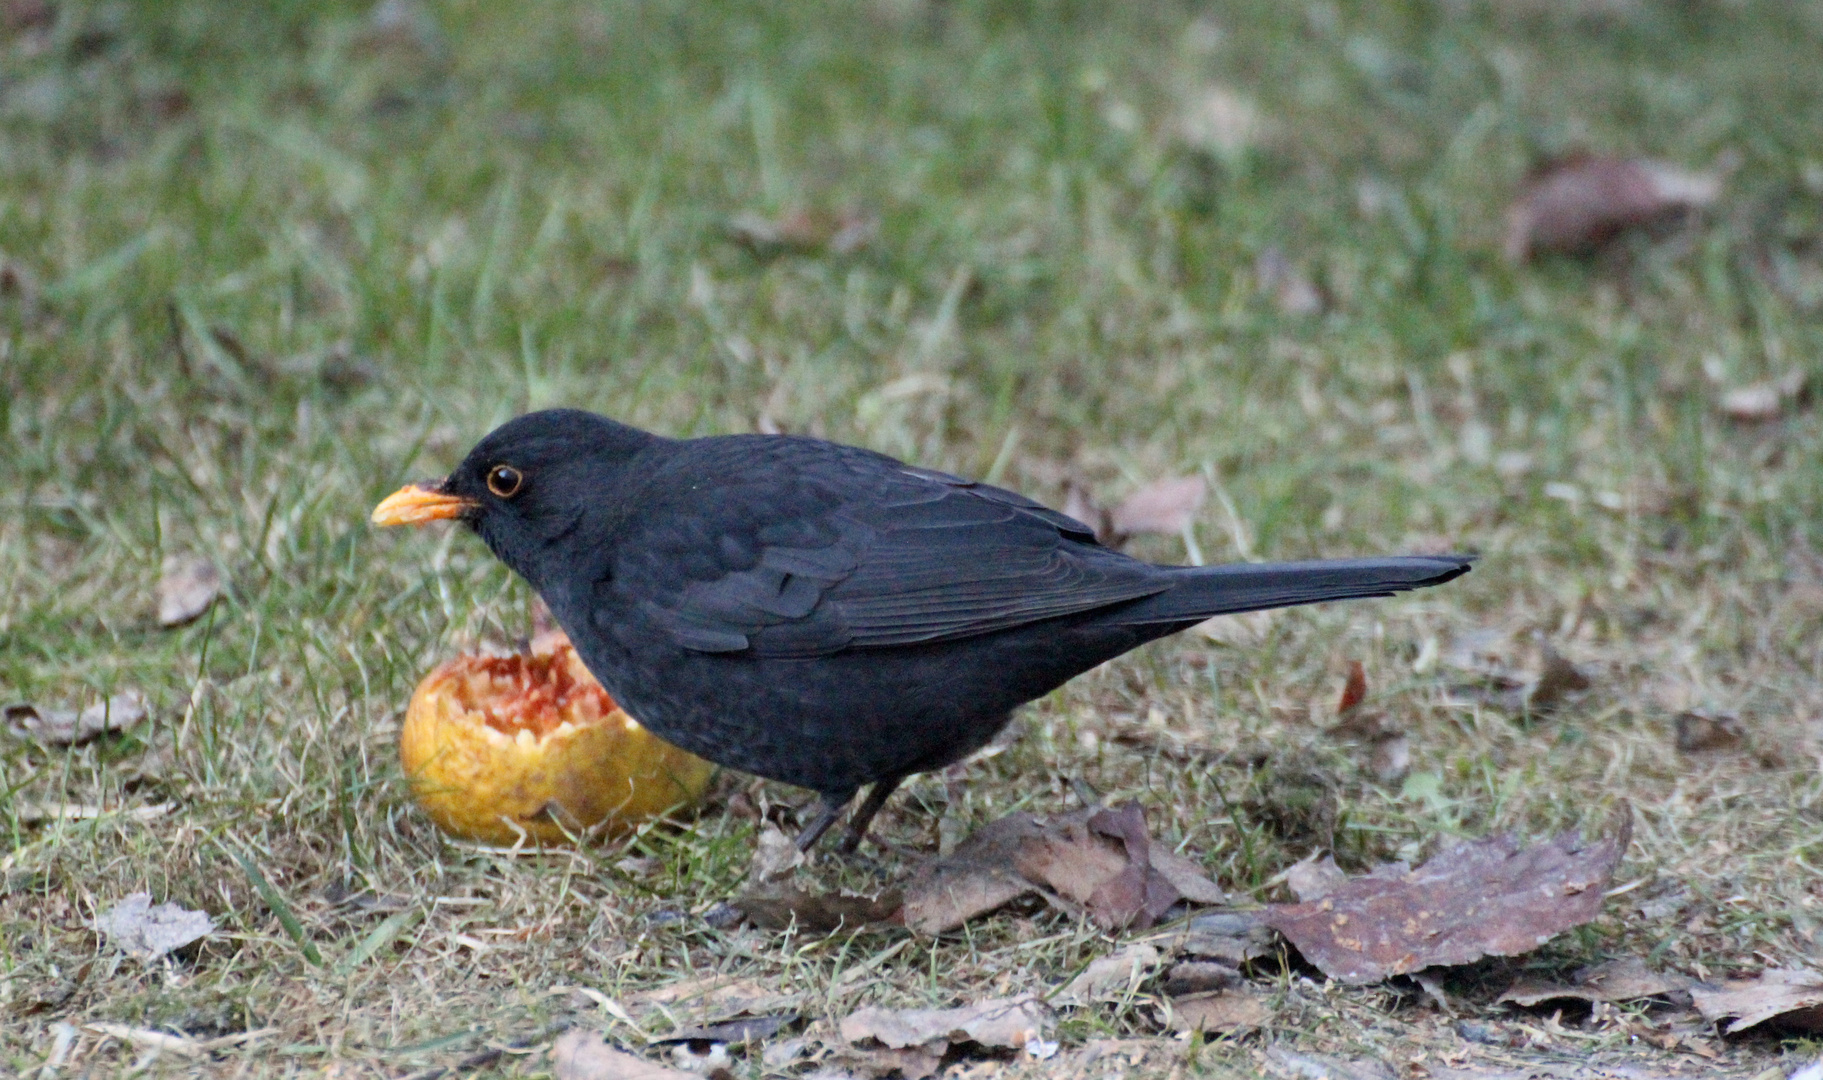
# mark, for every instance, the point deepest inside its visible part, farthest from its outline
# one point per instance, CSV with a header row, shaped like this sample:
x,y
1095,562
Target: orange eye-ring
x,y
504,481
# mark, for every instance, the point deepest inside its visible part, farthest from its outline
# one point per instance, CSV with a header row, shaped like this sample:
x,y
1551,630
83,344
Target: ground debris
x,y
186,588
1485,898
1791,997
1228,1010
1627,979
1166,507
586,1055
1761,402
785,908
803,232
1111,977
915,1041
1575,205
1099,861
147,931
70,727
1540,686
1701,732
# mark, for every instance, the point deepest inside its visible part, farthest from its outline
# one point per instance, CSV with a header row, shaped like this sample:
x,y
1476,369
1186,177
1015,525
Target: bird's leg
x,y
864,816
830,808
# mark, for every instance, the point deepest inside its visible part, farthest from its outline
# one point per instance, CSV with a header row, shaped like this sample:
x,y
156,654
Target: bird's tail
x,y
1203,591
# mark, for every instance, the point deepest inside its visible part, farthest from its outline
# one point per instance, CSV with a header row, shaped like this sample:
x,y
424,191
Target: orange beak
x,y
415,504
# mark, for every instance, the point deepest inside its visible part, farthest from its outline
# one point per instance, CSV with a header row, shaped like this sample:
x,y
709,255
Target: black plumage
x,y
825,615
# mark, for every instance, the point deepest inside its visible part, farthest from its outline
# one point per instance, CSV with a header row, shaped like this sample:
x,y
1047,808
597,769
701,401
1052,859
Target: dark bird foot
x,y
831,807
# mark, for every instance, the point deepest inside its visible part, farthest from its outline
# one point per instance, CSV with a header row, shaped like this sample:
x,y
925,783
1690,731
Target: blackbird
x,y
821,614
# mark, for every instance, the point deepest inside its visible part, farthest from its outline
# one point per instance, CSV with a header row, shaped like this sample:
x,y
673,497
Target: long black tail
x,y
1203,591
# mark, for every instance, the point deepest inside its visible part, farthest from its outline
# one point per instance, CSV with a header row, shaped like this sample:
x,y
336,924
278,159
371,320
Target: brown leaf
x,y
1313,878
774,856
1354,691
1079,504
1576,205
974,879
1790,996
1233,937
1229,1010
1187,877
1199,977
68,727
186,589
1547,682
1163,506
821,913
1110,978
713,998
1486,898
1698,732
586,1055
1097,858
1616,981
996,1022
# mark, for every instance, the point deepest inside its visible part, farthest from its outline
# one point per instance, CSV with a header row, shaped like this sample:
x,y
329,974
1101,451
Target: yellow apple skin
x,y
499,749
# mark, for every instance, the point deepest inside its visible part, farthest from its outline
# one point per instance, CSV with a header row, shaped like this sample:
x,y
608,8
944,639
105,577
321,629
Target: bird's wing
x,y
859,551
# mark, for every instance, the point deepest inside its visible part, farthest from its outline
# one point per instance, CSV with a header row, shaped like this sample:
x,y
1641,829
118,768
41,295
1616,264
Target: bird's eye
x,y
504,481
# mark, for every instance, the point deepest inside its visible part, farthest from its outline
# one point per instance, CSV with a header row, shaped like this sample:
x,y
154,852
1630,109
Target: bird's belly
x,y
835,723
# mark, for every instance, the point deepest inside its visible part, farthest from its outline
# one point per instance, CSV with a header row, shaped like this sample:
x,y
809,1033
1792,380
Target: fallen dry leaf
x,y
1614,982
1199,977
803,232
1117,886
1764,401
1111,977
1793,997
70,727
1292,292
1313,878
713,998
1008,1023
1233,937
186,588
974,879
1079,504
1187,877
1580,203
1225,1011
586,1055
1166,507
1698,732
146,931
1486,898
740,1030
1354,691
1100,860
820,913
1244,631
774,856
1542,685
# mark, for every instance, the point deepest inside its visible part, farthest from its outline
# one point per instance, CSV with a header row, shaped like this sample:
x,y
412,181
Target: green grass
x,y
269,261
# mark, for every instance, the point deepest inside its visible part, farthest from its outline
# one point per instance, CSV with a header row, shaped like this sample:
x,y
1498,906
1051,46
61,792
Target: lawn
x,y
262,263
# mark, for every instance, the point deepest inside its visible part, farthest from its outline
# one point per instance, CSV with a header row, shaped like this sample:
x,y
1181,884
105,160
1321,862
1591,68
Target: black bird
x,y
821,614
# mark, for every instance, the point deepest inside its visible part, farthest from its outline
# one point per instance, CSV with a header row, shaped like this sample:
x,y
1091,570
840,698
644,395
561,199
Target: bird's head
x,y
527,486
